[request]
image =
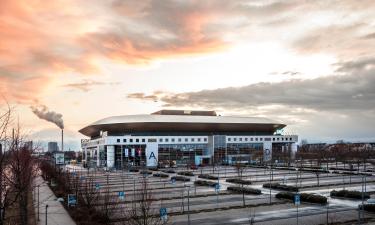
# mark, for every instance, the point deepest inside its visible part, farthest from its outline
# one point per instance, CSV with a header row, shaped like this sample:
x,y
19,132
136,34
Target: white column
x,y
110,156
97,156
293,150
267,151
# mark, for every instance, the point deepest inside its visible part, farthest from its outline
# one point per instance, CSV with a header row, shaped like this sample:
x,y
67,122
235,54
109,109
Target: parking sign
x,y
217,187
121,195
297,199
163,214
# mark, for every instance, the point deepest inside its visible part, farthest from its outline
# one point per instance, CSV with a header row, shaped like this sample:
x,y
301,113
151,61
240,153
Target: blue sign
x,y
217,187
121,195
74,174
97,186
163,213
173,180
82,177
72,200
297,199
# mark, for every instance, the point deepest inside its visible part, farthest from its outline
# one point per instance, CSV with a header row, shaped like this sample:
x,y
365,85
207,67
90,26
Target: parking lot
x,y
217,205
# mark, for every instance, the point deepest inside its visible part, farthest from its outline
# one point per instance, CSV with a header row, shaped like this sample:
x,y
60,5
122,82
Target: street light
x,y
46,212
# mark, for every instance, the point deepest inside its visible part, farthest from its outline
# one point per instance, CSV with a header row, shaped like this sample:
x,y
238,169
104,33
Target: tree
x,y
20,172
143,211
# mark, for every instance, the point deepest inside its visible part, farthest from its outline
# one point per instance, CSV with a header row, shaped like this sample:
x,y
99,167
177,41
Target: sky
x,y
308,64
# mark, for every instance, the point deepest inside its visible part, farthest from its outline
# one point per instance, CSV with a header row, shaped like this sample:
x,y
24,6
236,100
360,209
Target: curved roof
x,y
182,123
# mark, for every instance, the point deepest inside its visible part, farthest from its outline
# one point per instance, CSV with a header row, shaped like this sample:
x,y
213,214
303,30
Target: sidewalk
x,y
56,214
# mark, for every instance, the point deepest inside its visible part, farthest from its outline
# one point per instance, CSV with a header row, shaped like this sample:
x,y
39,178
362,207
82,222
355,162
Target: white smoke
x,y
43,113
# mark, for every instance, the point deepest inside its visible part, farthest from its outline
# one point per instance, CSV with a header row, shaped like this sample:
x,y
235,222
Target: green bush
x,y
349,194
180,178
369,207
238,181
145,172
162,175
279,186
304,197
207,176
186,173
205,183
244,190
169,171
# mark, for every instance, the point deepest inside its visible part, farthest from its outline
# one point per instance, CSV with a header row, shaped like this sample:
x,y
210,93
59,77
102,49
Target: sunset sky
x,y
309,64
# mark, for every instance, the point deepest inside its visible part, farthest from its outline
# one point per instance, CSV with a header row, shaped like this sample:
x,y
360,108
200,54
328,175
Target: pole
x,y
327,212
270,186
38,203
46,213
188,205
297,214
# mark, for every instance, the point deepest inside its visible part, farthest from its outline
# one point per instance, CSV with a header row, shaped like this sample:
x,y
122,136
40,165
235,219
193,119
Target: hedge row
x,y
208,176
145,172
169,171
245,190
368,207
205,183
279,186
304,197
133,170
162,175
180,178
349,194
238,181
186,173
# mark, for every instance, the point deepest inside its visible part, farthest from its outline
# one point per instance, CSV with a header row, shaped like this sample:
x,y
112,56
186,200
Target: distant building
x,y
29,145
53,147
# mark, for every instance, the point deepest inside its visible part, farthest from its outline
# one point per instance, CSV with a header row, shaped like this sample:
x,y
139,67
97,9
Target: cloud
x,y
88,85
43,40
345,99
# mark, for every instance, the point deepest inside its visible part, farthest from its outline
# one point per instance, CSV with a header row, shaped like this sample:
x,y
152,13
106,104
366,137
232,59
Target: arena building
x,y
178,137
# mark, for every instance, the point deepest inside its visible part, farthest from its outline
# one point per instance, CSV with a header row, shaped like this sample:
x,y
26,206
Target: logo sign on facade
x,y
267,151
133,152
121,195
297,200
163,214
152,154
72,200
59,158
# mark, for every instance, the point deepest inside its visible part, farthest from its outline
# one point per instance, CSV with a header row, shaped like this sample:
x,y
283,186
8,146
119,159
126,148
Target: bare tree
x,y
144,210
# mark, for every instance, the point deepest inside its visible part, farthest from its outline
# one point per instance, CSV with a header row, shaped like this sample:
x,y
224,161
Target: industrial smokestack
x,y
62,139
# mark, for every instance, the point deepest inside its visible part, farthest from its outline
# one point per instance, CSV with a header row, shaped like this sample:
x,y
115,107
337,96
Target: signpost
x,y
97,186
121,195
163,214
217,190
72,200
173,180
297,202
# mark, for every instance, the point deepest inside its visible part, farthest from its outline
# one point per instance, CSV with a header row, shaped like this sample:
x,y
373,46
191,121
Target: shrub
x,y
153,169
244,190
349,194
186,173
208,176
145,172
282,187
133,170
238,181
180,178
304,197
169,171
205,183
369,207
162,175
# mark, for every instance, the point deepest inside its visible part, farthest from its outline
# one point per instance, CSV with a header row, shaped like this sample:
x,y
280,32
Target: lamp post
x,y
46,212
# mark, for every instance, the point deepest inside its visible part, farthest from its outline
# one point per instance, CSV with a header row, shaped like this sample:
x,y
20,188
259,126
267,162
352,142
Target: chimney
x,y
62,140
